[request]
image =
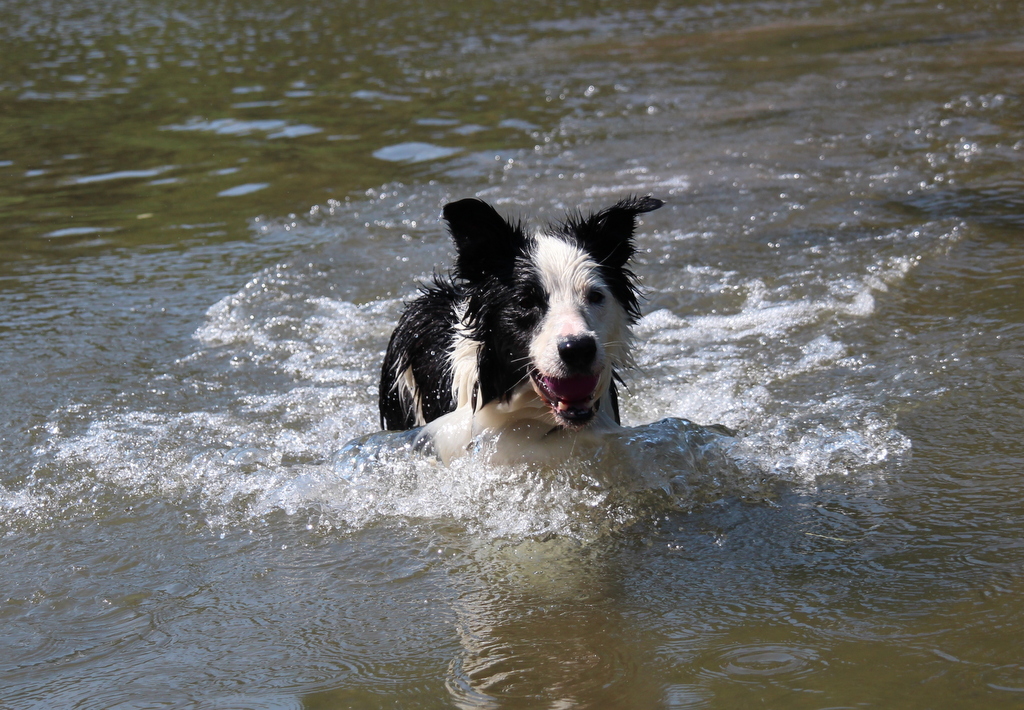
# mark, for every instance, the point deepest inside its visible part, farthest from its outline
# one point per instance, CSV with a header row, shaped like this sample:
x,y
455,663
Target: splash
x,y
643,471
254,423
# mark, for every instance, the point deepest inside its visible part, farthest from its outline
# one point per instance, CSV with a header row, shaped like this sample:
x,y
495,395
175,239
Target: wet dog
x,y
523,343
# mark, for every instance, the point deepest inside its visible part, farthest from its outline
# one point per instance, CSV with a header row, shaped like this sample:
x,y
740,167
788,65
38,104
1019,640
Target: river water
x,y
212,213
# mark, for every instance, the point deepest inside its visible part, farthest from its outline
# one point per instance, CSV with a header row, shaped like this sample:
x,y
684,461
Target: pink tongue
x,y
572,389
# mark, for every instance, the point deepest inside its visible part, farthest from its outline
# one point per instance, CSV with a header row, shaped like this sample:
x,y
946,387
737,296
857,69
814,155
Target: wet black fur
x,y
504,302
422,339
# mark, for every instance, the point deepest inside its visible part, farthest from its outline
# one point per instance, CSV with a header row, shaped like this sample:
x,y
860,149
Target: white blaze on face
x,y
568,275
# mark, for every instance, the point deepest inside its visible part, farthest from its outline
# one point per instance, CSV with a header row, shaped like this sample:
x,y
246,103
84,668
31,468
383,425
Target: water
x,y
212,215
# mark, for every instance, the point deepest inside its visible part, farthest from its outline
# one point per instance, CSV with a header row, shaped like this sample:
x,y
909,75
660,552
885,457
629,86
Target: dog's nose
x,y
578,351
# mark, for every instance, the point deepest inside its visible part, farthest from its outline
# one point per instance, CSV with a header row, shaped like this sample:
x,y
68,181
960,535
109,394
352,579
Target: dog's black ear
x,y
486,244
608,235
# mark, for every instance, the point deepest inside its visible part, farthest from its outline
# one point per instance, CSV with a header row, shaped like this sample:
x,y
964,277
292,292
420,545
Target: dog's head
x,y
550,311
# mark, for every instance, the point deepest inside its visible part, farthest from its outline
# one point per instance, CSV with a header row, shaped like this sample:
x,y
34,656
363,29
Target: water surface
x,y
213,213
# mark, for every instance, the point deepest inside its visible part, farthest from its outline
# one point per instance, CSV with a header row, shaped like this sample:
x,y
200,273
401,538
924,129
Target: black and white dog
x,y
524,341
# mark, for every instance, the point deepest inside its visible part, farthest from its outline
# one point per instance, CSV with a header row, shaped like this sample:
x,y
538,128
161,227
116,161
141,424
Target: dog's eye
x,y
595,297
528,311
530,301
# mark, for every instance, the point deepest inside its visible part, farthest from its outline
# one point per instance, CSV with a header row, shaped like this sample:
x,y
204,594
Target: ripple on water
x,y
414,152
759,661
538,654
995,555
548,669
243,189
106,633
1008,679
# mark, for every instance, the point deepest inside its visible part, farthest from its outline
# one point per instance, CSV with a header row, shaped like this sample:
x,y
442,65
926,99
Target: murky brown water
x,y
211,215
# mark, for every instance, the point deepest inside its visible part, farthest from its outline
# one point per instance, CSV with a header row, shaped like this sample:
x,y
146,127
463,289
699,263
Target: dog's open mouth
x,y
572,399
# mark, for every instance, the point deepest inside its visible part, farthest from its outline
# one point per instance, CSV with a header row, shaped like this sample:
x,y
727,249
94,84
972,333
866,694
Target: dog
x,y
523,343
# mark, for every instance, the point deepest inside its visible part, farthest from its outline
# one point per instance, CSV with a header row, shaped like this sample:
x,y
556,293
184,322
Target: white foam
x,y
380,477
734,367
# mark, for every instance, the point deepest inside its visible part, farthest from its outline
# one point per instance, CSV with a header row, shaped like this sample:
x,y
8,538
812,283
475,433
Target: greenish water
x,y
212,213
